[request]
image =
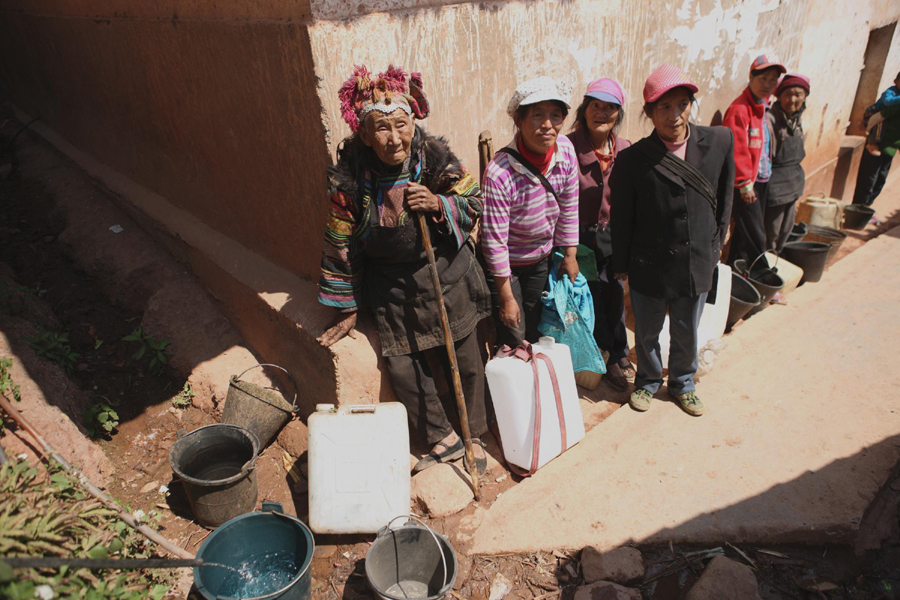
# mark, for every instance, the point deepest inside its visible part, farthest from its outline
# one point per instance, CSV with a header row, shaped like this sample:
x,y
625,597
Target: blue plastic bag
x,y
568,317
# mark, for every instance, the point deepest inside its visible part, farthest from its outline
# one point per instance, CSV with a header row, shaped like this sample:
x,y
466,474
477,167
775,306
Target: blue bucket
x,y
264,538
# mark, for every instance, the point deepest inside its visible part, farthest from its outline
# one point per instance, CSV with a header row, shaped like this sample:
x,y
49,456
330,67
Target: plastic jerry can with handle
x,y
358,467
511,381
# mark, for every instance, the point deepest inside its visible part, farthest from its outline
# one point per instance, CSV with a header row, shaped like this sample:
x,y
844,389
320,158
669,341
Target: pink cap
x,y
607,90
764,61
792,80
663,79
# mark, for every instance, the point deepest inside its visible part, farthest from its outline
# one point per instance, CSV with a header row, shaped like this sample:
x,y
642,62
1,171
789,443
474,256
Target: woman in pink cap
x,y
671,202
597,120
746,118
788,179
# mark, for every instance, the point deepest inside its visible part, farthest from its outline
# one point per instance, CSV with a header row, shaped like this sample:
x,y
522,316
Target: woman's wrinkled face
x,y
601,116
671,115
388,135
792,99
541,125
762,85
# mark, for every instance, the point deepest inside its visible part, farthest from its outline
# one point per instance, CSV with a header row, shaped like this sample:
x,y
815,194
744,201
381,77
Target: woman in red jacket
x,y
745,118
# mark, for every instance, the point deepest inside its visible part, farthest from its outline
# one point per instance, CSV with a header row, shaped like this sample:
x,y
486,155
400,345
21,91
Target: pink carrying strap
x,y
525,352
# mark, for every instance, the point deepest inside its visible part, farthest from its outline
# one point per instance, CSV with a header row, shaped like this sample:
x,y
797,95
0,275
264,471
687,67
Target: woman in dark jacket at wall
x,y
787,180
596,144
671,202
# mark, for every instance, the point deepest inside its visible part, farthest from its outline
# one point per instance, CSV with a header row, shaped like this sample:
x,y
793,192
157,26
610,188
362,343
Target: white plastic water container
x,y
712,320
511,381
358,467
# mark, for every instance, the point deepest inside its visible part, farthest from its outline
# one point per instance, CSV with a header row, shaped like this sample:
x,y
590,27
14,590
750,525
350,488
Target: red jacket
x,y
745,118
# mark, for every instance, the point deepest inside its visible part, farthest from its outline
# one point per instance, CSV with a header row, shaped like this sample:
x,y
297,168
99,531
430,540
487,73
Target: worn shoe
x,y
480,463
452,453
690,403
640,400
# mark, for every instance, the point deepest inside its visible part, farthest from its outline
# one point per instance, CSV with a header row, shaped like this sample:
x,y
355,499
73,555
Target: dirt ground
x,y
62,295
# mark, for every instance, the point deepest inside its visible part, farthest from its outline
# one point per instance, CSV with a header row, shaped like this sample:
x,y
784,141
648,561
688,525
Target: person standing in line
x,y
671,203
788,179
530,207
746,117
596,143
874,168
388,171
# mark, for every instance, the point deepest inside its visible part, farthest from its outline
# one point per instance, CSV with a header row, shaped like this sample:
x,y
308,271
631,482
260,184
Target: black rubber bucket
x,y
744,298
216,465
262,555
798,232
809,256
412,561
826,235
857,216
766,281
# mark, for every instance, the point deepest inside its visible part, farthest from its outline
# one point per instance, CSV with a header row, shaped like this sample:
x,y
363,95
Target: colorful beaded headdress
x,y
386,92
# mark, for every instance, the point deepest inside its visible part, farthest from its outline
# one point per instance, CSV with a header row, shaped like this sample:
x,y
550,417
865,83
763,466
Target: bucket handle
x,y
433,535
293,381
753,264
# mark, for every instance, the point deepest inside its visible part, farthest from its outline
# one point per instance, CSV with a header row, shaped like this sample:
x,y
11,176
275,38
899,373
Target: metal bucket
x,y
263,411
257,538
412,561
216,464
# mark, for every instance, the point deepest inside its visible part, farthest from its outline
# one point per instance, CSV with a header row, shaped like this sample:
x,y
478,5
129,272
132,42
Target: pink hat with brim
x,y
792,80
606,90
765,61
663,79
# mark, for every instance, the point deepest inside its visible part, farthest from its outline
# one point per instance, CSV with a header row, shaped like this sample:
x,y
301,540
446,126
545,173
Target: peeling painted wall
x,y
229,109
472,55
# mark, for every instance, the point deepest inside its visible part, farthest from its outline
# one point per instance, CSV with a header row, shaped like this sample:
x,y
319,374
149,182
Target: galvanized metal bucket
x,y
261,410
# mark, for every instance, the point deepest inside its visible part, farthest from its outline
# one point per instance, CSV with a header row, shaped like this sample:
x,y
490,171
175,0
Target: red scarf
x,y
541,161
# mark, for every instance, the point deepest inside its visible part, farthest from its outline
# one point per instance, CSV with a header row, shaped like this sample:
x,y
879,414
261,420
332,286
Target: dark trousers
x,y
528,283
684,318
749,238
609,312
873,172
779,224
413,384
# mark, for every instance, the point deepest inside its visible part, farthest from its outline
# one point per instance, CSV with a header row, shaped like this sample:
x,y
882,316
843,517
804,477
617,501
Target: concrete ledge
x,y
276,311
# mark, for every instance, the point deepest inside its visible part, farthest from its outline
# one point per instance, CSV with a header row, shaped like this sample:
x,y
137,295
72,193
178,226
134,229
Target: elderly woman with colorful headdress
x,y
388,170
531,206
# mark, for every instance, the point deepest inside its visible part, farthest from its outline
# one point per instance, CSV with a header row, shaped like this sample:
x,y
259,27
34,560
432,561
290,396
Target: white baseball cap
x,y
537,90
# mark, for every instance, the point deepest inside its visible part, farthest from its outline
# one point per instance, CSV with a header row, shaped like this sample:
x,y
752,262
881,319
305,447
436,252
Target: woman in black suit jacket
x,y
671,203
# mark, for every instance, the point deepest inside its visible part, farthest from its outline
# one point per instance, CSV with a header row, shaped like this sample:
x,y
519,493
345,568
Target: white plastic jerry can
x,y
358,467
511,382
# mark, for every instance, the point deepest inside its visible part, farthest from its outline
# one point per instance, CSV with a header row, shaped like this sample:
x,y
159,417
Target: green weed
x,y
183,398
154,350
6,382
54,346
100,420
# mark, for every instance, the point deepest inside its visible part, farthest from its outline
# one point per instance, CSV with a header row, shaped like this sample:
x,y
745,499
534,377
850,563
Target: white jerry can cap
x,y
546,341
324,407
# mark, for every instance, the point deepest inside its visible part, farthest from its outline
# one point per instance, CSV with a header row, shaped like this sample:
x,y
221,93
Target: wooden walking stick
x,y
451,354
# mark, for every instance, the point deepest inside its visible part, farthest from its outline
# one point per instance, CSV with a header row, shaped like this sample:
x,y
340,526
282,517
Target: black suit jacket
x,y
665,234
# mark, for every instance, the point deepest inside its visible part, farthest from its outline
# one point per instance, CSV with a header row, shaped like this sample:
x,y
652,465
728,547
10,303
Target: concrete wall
x,y
219,116
473,54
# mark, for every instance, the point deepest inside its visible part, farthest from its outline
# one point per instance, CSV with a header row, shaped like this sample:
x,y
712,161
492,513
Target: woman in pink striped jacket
x,y
530,206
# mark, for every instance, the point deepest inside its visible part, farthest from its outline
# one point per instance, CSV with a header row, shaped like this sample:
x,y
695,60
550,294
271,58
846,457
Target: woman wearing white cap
x,y
597,144
671,202
531,206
